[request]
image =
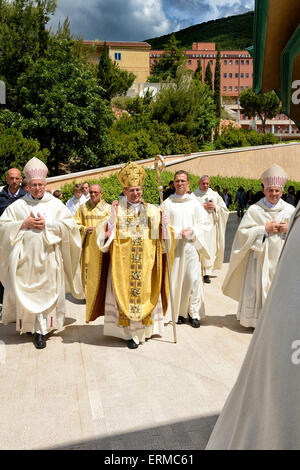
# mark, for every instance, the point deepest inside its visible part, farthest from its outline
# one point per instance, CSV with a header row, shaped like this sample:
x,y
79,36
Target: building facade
x,y
236,76
130,56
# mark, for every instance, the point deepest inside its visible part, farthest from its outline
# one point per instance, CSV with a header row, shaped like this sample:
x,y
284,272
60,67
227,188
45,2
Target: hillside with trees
x,y
233,32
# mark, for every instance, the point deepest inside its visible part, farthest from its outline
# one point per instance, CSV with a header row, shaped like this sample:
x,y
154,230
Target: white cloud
x,y
135,20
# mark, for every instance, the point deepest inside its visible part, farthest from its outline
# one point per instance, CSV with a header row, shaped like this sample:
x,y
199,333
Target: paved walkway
x,y
87,391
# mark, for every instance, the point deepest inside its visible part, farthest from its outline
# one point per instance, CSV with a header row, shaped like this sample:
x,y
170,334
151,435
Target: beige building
x,y
130,56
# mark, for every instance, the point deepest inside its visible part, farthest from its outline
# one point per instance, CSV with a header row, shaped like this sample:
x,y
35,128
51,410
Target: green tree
x,y
111,78
265,105
198,72
186,106
60,104
23,39
217,85
208,77
171,59
16,150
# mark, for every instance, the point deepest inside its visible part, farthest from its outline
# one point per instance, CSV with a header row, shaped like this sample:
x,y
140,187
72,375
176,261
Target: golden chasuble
x,y
89,215
136,257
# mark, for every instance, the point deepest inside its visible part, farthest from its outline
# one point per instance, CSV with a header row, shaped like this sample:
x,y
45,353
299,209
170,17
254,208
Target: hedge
x,y
112,188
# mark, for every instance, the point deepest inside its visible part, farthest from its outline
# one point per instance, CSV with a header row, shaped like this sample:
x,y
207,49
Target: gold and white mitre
x,y
131,175
274,176
35,169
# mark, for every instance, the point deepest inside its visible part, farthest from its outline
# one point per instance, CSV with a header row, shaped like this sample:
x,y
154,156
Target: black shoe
x,y
181,320
132,344
207,279
39,341
194,322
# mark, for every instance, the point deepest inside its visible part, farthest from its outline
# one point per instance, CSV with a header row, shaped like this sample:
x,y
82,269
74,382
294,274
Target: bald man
x,y
12,191
9,194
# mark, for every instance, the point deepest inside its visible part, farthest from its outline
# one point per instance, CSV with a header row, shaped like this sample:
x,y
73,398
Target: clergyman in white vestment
x,y
188,219
217,213
39,258
256,248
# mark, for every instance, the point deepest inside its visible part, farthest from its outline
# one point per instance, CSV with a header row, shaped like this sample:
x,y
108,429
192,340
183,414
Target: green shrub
x,y
112,188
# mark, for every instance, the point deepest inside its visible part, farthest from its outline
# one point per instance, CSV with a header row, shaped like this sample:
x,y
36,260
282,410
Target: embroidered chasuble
x,y
137,266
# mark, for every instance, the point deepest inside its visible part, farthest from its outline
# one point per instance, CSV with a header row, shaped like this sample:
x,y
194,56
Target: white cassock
x,y
186,276
136,330
254,257
37,267
263,408
73,204
216,220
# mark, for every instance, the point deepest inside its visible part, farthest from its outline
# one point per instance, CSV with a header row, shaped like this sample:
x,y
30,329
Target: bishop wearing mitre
x,y
127,284
257,246
39,258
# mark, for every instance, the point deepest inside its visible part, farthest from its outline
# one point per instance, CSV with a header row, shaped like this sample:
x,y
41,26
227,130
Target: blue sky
x,y
136,20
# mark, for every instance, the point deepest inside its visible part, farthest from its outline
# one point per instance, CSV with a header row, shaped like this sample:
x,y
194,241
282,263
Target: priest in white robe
x,y
39,258
129,287
217,216
256,248
188,219
76,201
262,411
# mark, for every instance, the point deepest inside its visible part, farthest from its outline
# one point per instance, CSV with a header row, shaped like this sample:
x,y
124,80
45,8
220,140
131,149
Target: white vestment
x,y
37,267
263,408
73,204
186,275
136,330
216,220
253,259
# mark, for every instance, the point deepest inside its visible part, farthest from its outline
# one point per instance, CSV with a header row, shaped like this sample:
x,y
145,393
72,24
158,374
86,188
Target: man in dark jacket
x,y
12,191
9,194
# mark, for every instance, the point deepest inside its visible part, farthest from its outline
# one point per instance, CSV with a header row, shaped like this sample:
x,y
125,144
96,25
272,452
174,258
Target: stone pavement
x,y
87,391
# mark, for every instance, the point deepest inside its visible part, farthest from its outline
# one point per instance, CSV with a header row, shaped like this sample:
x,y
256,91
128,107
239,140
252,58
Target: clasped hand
x,y
275,227
32,222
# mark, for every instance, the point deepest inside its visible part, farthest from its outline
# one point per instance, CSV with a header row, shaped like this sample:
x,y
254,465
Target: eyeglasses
x,y
94,192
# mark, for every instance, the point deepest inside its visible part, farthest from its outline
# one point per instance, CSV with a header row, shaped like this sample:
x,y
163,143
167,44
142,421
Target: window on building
x,y
225,62
242,75
236,88
242,62
224,88
236,75
247,62
189,61
230,75
211,62
230,88
247,75
225,75
230,62
118,56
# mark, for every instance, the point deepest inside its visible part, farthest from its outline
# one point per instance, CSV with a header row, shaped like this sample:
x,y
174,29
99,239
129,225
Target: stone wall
x,y
249,162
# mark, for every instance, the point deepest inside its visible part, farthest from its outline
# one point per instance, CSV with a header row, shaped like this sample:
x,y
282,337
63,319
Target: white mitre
x,y
274,176
35,169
